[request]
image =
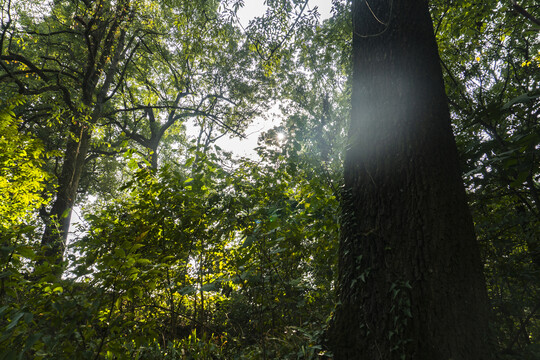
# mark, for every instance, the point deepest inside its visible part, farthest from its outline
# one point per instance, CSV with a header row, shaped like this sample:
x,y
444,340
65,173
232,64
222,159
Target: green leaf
x,y
248,241
15,320
10,355
209,287
523,98
27,252
407,312
187,290
277,250
120,252
118,302
144,262
28,317
136,247
132,164
133,293
31,341
520,179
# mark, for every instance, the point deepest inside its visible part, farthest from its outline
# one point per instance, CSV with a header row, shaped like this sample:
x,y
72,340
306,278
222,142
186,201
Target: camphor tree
x,y
410,276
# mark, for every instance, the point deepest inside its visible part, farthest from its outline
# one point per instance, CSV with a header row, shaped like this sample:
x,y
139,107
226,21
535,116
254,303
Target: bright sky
x,y
254,8
245,147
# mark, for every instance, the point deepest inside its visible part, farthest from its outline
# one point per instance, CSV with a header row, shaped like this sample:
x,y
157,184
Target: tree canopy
x,y
113,109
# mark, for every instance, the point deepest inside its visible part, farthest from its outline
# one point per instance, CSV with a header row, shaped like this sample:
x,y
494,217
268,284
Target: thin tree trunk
x,y
410,276
57,226
58,220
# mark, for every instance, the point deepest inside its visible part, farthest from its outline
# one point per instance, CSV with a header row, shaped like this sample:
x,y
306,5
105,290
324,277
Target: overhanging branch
x,y
519,9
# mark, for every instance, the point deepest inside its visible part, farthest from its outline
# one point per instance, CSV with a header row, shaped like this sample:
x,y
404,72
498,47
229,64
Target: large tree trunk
x,y
410,276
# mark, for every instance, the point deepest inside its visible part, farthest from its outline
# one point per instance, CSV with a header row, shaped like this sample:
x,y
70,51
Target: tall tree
x,y
490,58
410,275
127,61
74,81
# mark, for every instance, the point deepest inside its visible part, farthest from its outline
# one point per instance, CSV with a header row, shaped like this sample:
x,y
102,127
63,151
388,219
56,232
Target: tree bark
x,y
93,96
410,282
58,219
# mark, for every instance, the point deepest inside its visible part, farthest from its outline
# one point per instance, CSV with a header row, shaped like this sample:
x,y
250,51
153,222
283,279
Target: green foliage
x,y
190,348
212,252
207,256
21,174
491,66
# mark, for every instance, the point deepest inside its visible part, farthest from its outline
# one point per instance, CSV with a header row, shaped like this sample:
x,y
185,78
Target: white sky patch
x,y
253,8
324,7
246,147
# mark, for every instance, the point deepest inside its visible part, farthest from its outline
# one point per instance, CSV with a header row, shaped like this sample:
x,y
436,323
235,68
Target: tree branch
x,y
519,9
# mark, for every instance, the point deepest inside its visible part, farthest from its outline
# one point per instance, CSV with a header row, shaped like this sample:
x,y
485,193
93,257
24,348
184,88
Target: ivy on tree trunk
x,y
410,276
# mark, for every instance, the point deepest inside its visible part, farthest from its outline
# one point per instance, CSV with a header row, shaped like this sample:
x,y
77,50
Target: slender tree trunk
x,y
57,226
78,145
410,276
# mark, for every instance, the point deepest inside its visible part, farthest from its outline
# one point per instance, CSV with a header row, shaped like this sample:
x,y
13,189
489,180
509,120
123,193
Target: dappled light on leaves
x,y
121,111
